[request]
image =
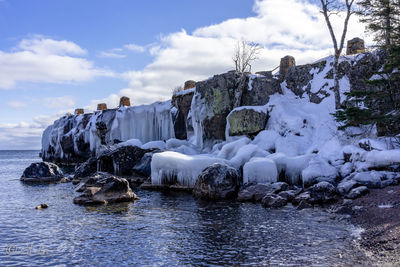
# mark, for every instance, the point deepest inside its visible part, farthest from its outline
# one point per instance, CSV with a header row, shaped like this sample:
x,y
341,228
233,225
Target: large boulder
x,y
42,172
215,98
323,192
106,190
86,169
218,181
122,160
247,121
143,167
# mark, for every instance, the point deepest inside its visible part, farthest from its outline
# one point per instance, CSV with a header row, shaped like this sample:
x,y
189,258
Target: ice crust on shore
x,y
300,143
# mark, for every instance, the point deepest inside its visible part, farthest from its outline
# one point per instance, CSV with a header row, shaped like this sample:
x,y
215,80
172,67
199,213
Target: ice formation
x,y
131,125
260,170
175,168
300,143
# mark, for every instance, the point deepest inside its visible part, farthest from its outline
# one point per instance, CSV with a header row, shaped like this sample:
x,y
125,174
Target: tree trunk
x,y
336,88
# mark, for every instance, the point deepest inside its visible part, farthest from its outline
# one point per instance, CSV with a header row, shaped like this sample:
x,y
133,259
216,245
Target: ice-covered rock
x,y
182,102
371,179
260,170
121,161
318,170
173,168
42,172
73,139
291,168
266,140
345,186
217,181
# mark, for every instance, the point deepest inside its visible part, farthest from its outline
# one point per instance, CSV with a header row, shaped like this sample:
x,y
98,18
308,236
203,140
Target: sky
x,y
56,56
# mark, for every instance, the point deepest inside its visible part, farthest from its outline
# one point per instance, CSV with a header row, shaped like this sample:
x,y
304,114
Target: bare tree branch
x,y
245,54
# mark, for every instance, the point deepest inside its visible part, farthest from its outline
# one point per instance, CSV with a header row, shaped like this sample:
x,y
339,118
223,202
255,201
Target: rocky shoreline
x,y
264,138
376,211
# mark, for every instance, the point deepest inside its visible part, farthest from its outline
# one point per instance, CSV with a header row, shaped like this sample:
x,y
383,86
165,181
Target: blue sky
x,y
58,55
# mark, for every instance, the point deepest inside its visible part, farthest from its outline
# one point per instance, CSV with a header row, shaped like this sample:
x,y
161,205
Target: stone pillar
x,y
102,106
79,111
189,84
124,102
355,46
286,63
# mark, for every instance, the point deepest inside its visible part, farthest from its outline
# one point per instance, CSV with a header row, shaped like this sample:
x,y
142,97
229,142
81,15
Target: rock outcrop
x,y
73,139
217,182
247,121
182,102
107,189
121,161
42,172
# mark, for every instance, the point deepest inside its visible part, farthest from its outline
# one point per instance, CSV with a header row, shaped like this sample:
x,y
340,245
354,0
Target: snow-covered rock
x,y
260,170
319,170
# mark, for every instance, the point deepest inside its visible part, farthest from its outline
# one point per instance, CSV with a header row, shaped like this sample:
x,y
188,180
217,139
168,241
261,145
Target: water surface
x,y
160,229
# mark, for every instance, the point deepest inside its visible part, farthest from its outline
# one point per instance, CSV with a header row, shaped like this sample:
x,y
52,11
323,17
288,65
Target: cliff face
x,y
200,114
75,138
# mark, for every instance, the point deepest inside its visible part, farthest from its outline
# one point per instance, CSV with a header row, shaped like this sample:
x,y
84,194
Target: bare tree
x,y
245,54
335,7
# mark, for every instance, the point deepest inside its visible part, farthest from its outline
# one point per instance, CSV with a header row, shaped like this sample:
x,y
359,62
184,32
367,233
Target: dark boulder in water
x,y
218,181
42,172
108,189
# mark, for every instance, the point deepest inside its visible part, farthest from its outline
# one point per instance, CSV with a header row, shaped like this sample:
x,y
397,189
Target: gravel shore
x,y
378,213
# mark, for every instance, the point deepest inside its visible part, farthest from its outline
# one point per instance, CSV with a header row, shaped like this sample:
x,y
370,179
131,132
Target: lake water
x,y
159,230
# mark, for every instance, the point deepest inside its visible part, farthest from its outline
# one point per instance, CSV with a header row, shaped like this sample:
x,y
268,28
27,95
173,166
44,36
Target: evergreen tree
x,y
379,101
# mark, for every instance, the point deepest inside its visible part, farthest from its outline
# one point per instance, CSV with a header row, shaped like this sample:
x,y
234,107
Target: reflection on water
x,y
160,229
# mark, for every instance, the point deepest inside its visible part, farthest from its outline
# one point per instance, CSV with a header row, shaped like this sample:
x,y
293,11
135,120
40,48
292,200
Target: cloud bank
x,y
284,27
45,60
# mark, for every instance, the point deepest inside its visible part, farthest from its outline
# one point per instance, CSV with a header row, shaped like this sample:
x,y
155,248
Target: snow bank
x,y
260,170
169,168
318,170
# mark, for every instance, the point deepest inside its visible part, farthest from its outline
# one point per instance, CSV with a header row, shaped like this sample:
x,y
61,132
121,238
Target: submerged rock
x,y
42,206
256,192
107,190
218,181
273,201
42,172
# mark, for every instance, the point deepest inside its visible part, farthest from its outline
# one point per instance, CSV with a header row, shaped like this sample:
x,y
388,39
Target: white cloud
x,y
135,48
285,27
46,60
109,54
59,102
16,104
20,136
